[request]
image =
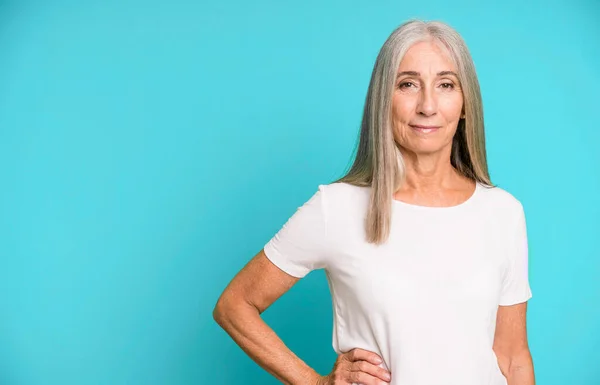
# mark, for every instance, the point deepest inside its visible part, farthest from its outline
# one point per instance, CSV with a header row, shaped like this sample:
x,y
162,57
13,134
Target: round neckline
x,y
441,208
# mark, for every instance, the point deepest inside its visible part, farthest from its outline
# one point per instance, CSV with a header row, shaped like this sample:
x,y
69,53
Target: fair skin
x,y
426,94
238,310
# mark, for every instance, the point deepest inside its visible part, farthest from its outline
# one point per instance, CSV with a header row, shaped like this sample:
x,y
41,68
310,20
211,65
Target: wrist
x,y
316,379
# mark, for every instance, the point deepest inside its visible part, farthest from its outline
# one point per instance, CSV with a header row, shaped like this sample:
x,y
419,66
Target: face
x,y
427,103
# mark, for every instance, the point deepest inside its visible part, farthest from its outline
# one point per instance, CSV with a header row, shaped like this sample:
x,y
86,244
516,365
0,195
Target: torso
x,y
428,297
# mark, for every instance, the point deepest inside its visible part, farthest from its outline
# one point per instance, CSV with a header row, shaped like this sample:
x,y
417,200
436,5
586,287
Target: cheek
x,y
400,119
402,108
451,107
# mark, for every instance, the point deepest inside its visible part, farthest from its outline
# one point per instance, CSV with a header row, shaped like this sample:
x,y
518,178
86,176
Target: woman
x,y
426,260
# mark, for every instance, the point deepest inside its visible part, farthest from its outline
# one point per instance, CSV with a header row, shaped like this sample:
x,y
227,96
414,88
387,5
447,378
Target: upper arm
x,y
515,285
510,338
511,329
259,284
299,247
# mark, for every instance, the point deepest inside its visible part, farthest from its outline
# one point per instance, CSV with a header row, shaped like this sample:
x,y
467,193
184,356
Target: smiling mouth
x,y
424,129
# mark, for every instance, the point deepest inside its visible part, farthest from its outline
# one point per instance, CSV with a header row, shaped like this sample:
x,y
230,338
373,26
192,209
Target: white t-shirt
x,y
426,300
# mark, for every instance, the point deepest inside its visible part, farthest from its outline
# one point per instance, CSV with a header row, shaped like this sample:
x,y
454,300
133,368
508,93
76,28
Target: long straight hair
x,y
378,162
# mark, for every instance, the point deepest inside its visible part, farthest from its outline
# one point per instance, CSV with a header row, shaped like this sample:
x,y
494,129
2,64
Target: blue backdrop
x,y
150,148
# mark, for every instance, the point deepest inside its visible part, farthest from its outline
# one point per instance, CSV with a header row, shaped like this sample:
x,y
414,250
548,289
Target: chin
x,y
425,148
427,151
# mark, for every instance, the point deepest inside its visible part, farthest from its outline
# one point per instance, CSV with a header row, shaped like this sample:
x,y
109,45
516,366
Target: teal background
x,y
149,149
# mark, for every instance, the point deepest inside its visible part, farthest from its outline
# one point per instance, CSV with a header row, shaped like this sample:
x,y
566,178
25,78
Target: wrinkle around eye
x,y
403,86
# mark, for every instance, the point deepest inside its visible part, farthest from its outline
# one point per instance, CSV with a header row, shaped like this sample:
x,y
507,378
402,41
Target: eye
x,y
405,85
447,86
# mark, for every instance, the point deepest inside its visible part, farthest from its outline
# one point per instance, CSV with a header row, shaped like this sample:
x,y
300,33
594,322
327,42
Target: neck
x,y
426,172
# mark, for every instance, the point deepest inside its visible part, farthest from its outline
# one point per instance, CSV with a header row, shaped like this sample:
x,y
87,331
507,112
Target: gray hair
x,y
378,162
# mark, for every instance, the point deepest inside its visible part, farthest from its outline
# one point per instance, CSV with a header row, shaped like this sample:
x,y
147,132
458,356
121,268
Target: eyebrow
x,y
415,73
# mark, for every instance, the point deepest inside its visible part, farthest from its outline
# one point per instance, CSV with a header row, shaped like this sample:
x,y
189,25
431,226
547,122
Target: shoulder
x,y
340,193
343,201
500,200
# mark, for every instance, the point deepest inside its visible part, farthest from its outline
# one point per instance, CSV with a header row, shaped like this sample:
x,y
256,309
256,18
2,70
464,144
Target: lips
x,y
424,129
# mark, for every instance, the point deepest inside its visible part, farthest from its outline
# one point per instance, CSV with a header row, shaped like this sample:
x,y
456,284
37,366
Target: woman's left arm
x,y
511,346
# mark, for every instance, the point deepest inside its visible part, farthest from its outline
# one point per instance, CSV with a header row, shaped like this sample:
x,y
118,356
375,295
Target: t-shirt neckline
x,y
440,208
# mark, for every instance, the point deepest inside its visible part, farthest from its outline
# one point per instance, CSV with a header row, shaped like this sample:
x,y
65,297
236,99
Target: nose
x,y
427,105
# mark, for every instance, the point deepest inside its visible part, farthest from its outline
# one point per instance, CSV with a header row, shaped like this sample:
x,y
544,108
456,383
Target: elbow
x,y
219,312
521,361
514,362
227,309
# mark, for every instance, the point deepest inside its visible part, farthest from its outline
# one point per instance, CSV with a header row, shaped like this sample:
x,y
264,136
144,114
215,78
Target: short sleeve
x,y
300,246
515,287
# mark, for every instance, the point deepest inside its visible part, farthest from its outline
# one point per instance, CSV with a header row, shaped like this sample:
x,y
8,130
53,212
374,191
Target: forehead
x,y
424,55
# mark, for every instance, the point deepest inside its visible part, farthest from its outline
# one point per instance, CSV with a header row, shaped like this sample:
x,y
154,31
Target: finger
x,y
358,354
370,369
365,379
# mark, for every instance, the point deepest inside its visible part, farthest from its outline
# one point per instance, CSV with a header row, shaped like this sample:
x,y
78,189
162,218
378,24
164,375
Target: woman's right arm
x,y
250,292
238,311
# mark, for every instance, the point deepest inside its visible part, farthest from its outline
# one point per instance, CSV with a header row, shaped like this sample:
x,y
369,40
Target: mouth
x,y
424,129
